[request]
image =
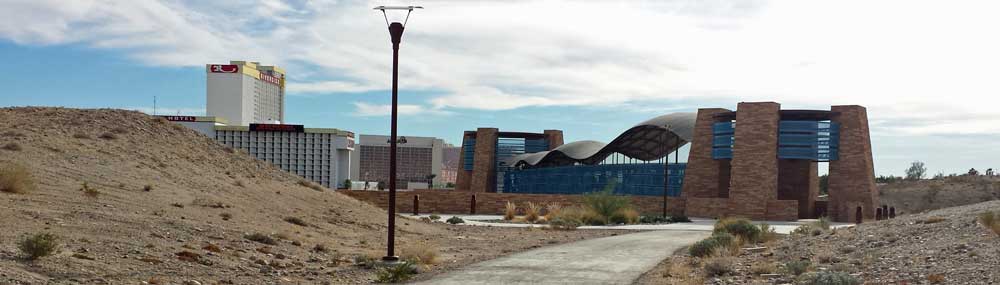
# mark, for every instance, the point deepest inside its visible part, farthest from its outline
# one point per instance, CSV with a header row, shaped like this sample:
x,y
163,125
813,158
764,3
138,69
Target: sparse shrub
x,y
239,183
558,223
831,278
454,220
38,245
91,192
718,266
708,245
847,249
767,233
625,216
369,260
83,136
653,219
226,216
510,210
434,217
991,221
797,267
679,219
15,178
398,273
108,136
935,278
12,146
311,185
822,223
826,257
605,203
420,253
763,268
319,248
212,248
296,221
933,220
347,184
740,227
531,212
147,188
178,205
261,238
552,210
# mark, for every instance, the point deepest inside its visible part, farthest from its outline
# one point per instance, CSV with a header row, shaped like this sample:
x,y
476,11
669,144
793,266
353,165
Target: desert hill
x,y
158,190
930,194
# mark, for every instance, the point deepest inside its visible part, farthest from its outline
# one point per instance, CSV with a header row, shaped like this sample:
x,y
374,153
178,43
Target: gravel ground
x,y
947,246
204,199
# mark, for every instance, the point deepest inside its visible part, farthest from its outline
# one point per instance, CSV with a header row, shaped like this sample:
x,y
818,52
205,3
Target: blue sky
x,y
592,69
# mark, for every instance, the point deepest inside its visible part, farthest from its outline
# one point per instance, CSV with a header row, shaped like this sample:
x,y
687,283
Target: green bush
x,y
624,216
435,217
605,203
822,223
261,238
738,227
15,178
706,246
454,220
797,267
831,278
718,266
38,245
653,219
679,219
398,273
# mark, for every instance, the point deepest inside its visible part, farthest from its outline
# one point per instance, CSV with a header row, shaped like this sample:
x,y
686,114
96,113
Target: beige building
x,y
417,159
244,92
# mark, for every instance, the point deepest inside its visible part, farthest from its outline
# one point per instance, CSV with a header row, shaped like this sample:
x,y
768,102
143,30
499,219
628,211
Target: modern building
x,y
319,155
450,164
759,162
487,151
417,159
245,93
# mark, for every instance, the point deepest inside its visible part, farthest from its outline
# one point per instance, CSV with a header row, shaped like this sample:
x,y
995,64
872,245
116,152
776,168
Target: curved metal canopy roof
x,y
649,140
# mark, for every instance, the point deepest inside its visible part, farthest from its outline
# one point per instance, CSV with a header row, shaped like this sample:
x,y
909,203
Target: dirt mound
x,y
157,190
924,195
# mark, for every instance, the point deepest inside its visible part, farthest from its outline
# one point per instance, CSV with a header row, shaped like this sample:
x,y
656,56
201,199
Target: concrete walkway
x,y
609,260
696,224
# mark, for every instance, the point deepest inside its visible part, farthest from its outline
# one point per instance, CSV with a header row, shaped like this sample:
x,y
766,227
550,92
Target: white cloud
x,y
908,61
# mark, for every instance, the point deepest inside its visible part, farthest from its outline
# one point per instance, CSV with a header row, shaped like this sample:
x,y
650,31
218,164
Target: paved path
x,y
697,224
609,260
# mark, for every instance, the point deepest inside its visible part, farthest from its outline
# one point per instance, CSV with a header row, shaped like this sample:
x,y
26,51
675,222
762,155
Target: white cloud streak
x,y
921,67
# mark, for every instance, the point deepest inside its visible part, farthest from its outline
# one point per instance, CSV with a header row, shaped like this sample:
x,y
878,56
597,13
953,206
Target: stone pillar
x,y
852,175
799,180
701,178
555,138
755,160
464,177
484,164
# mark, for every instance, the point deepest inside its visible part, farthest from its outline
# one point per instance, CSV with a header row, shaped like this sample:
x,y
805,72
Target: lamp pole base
x,y
390,259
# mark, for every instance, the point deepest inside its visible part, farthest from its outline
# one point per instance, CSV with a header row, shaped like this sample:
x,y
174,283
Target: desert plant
x,y
15,178
434,217
261,238
89,191
831,278
932,220
347,184
398,273
653,219
935,278
551,210
822,223
296,221
420,253
625,216
763,268
826,257
718,266
311,185
226,216
797,267
738,227
916,171
531,212
319,248
84,136
679,219
708,245
12,146
38,245
991,221
767,233
605,203
147,188
510,210
454,220
558,223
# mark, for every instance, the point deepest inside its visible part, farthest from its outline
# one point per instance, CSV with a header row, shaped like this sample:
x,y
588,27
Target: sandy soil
x,y
202,196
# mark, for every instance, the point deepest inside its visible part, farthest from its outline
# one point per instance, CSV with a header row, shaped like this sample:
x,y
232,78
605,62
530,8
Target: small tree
x,y
824,184
916,171
989,172
347,184
381,185
973,172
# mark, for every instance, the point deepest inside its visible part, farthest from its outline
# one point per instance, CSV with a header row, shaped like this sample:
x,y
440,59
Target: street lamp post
x,y
396,34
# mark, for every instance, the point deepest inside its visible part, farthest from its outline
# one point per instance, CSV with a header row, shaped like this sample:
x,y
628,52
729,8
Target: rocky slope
x,y
924,195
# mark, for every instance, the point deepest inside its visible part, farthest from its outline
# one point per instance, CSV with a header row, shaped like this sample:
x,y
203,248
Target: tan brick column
x,y
755,159
484,166
555,138
701,178
852,175
464,178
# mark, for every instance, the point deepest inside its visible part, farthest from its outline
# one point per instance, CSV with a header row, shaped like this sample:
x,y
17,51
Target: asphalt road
x,y
610,260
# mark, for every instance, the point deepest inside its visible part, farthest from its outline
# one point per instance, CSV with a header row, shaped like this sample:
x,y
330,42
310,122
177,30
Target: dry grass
x,y
296,221
311,185
39,245
933,220
15,178
510,210
91,192
935,278
551,210
718,266
12,146
764,268
422,253
991,221
531,212
625,216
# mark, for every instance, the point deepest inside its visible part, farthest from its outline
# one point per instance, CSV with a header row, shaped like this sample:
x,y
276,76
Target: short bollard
x,y
416,205
472,208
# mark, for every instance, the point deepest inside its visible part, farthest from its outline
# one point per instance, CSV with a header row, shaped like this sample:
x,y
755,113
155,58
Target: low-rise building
x,y
419,161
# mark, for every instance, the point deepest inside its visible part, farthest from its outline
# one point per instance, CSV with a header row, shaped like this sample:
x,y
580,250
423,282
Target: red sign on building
x,y
224,68
276,128
268,78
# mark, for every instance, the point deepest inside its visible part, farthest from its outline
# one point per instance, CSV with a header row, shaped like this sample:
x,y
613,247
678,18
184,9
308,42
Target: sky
x,y
925,70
